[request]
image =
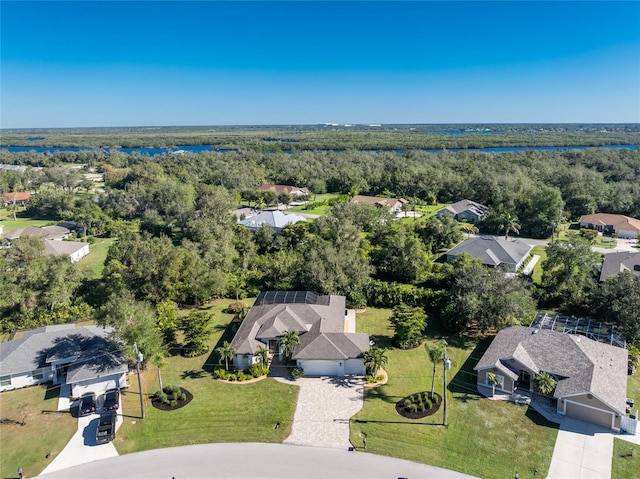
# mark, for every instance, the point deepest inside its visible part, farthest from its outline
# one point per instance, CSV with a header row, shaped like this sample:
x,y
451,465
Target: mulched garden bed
x,y
405,412
156,403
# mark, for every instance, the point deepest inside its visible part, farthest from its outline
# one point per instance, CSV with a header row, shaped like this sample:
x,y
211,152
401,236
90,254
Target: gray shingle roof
x,y
318,319
464,205
47,232
493,251
582,365
615,263
37,348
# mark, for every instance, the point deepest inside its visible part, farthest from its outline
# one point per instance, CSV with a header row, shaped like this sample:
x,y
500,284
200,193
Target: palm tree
x,y
436,355
509,223
160,361
263,355
494,381
289,342
375,359
544,383
226,352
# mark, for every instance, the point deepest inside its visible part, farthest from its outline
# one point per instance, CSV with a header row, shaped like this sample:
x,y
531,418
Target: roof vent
x,y
535,331
636,267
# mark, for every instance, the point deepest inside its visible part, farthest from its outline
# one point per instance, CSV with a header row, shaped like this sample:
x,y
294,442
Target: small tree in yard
x,y
226,352
544,383
263,355
196,328
494,381
374,359
289,342
436,355
409,323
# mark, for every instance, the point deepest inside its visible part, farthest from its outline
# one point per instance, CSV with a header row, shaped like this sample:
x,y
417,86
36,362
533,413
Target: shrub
x,y
164,398
236,308
421,407
407,402
297,373
221,373
429,404
174,402
413,408
167,389
157,394
176,390
257,369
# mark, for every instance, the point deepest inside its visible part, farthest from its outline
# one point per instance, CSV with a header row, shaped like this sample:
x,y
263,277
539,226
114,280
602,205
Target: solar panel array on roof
x,y
286,297
596,330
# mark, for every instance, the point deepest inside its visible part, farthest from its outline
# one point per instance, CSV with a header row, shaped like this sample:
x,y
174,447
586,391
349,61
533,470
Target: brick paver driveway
x,y
324,408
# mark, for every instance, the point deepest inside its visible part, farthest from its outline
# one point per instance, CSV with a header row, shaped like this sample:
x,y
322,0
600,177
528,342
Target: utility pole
x,y
446,365
139,359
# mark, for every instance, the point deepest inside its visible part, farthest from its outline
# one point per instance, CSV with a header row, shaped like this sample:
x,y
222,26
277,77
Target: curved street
x,y
252,460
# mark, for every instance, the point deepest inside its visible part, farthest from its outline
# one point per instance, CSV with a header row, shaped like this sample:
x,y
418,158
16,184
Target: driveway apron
x,y
582,451
324,408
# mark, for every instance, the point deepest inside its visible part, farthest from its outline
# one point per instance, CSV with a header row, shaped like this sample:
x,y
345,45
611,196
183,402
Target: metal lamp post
x,y
447,365
139,359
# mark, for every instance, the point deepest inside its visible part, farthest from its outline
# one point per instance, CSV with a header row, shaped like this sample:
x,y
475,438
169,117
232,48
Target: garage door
x,y
320,368
354,366
594,416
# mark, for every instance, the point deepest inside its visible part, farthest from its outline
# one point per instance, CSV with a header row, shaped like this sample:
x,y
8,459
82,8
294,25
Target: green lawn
x,y
26,446
11,225
320,210
219,412
430,210
626,460
537,269
481,436
94,261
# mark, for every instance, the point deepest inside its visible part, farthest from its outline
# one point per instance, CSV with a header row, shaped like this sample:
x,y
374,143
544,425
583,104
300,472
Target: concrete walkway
x,y
582,451
251,460
324,408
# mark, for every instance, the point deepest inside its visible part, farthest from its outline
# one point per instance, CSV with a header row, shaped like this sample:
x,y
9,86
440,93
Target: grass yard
x,y
626,460
320,210
481,436
219,412
430,210
94,261
23,446
11,225
541,251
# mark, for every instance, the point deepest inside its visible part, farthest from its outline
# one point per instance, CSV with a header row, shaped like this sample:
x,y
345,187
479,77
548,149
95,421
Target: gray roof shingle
x,y
615,263
493,251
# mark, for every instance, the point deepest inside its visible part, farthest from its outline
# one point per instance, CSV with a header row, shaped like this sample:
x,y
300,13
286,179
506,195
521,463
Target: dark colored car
x,y
111,400
106,427
87,404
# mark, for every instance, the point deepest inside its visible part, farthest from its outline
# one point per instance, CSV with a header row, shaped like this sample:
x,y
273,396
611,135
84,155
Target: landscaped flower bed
x,y
171,398
419,405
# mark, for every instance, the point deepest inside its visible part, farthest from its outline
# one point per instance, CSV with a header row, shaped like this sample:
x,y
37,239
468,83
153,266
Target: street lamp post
x,y
139,359
447,365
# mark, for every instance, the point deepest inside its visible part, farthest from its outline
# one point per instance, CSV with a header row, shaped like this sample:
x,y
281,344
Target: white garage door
x,y
354,366
594,416
320,368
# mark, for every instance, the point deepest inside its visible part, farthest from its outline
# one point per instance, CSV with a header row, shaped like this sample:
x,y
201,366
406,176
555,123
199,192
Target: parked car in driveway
x,y
106,427
111,400
87,404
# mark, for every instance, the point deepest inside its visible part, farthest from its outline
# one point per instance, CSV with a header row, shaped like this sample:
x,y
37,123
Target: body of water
x,y
208,148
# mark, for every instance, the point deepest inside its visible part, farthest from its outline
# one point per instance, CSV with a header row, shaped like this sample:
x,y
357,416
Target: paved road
x,y
251,460
582,451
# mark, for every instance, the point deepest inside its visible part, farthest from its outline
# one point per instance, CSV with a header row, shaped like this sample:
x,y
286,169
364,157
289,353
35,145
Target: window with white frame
x,y
5,380
37,374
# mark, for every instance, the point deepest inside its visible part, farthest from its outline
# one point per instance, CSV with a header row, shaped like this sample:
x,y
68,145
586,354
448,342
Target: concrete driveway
x,y
324,408
82,447
582,451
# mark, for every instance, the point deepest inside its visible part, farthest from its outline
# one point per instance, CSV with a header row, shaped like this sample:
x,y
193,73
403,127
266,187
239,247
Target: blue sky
x,y
127,63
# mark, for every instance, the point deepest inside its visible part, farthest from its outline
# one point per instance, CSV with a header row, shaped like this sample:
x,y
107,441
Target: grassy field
x,y
11,225
537,269
94,261
626,460
320,210
481,436
24,446
219,412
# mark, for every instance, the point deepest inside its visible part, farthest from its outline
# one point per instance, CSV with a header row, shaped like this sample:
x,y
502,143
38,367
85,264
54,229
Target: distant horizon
x,y
324,124
99,63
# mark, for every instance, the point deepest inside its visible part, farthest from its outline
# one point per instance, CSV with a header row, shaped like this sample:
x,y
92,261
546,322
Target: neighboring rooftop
x,y
615,263
46,232
467,205
274,218
618,222
493,251
378,201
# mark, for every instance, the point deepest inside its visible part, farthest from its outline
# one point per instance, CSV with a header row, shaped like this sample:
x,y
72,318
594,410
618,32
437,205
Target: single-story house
x,y
274,218
465,210
82,357
94,177
329,345
510,254
615,263
46,232
591,376
19,198
286,189
244,213
623,226
76,250
395,205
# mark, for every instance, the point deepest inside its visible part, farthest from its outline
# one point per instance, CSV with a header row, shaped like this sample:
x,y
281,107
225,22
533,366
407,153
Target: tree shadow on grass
x,y
192,374
213,359
464,382
539,419
52,392
380,393
381,341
